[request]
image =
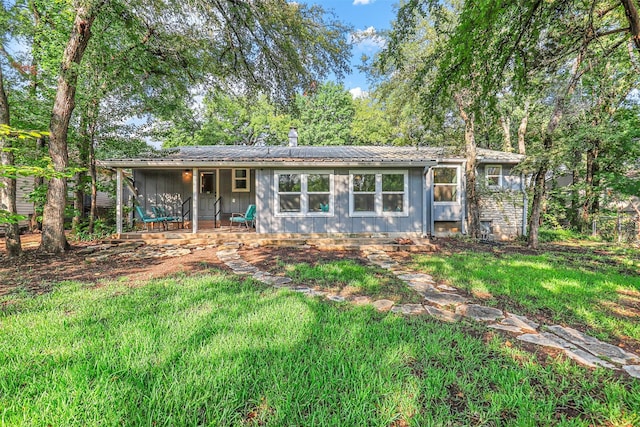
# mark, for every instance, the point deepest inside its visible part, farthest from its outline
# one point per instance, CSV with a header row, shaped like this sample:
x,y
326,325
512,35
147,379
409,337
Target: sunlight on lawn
x,y
215,350
567,290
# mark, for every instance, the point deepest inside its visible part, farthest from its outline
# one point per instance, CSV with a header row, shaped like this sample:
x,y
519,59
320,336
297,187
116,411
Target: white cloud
x,y
357,92
367,38
362,2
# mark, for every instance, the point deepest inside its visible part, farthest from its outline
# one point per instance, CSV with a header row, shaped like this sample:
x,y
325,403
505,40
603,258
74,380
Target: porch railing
x,y
186,209
217,207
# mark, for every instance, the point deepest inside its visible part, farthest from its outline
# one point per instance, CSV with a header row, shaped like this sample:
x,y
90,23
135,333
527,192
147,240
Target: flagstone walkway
x,y
448,304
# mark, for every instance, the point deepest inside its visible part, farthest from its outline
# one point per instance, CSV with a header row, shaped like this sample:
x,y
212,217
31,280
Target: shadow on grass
x,y
213,350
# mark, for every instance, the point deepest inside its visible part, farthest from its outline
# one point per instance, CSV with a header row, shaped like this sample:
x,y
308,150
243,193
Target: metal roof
x,y
308,156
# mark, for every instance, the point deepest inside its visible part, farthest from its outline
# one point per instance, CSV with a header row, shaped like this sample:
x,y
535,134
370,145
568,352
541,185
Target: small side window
x,y
240,180
493,174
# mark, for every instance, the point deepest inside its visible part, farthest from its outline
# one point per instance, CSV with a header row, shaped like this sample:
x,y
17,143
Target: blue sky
x,y
367,17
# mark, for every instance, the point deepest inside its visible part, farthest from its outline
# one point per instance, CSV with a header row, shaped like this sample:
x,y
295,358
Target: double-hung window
x,y
374,193
493,175
304,193
240,180
445,184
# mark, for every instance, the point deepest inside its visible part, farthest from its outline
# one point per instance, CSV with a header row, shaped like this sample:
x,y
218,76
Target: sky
x,y
366,17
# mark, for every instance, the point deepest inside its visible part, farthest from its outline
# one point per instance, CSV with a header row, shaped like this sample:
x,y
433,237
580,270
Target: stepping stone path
x,y
448,304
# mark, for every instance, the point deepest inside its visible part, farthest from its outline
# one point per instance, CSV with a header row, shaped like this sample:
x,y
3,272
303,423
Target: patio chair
x,y
248,217
146,219
161,212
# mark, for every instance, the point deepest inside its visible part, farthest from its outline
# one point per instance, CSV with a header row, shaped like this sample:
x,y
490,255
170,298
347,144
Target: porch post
x,y
217,218
119,201
194,198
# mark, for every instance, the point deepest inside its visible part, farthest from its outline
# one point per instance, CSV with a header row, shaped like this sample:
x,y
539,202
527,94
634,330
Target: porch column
x,y
194,198
119,201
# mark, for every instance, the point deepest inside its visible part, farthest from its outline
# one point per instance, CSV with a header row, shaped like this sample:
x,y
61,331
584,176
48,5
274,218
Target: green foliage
x,y
231,352
325,115
371,124
101,230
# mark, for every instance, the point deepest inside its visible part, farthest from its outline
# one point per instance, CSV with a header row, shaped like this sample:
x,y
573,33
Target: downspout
x,y
424,201
463,200
525,204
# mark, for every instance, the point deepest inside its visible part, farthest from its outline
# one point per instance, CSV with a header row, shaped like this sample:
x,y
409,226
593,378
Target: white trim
x,y
378,193
458,187
234,178
304,193
500,175
119,180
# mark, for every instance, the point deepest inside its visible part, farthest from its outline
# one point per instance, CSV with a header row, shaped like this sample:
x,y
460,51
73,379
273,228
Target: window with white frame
x,y
240,180
301,193
446,184
374,193
493,176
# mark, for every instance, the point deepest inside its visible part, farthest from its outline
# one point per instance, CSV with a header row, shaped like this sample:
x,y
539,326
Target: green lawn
x,y
348,276
215,350
596,289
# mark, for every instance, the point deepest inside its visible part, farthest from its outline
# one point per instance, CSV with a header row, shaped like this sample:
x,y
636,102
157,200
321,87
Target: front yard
x,y
204,347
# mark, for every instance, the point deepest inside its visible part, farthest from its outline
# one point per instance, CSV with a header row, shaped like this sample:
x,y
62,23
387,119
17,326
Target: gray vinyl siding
x,y
236,201
161,188
340,221
24,186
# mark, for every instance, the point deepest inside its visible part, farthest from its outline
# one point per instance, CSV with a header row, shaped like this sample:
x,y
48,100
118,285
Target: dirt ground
x,y
36,272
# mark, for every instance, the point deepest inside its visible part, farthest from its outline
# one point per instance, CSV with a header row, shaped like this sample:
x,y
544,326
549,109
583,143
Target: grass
x,y
351,277
215,350
599,290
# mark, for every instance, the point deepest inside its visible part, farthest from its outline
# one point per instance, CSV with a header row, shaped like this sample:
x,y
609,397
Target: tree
x,y
239,46
371,124
8,182
493,40
325,115
53,237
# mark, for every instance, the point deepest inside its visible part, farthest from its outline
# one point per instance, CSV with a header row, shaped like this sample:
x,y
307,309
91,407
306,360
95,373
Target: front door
x,y
208,196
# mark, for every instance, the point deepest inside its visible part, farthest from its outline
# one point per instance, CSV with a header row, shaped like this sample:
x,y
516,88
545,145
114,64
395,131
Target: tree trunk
x,y
53,237
631,11
79,178
591,205
522,129
472,197
574,216
8,184
38,182
540,175
505,122
94,182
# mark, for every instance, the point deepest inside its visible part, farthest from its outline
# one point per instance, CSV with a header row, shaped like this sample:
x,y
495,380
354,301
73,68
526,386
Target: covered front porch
x,y
197,199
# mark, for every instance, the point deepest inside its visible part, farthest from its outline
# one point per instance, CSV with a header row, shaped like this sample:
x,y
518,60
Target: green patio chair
x,y
161,212
249,217
146,219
